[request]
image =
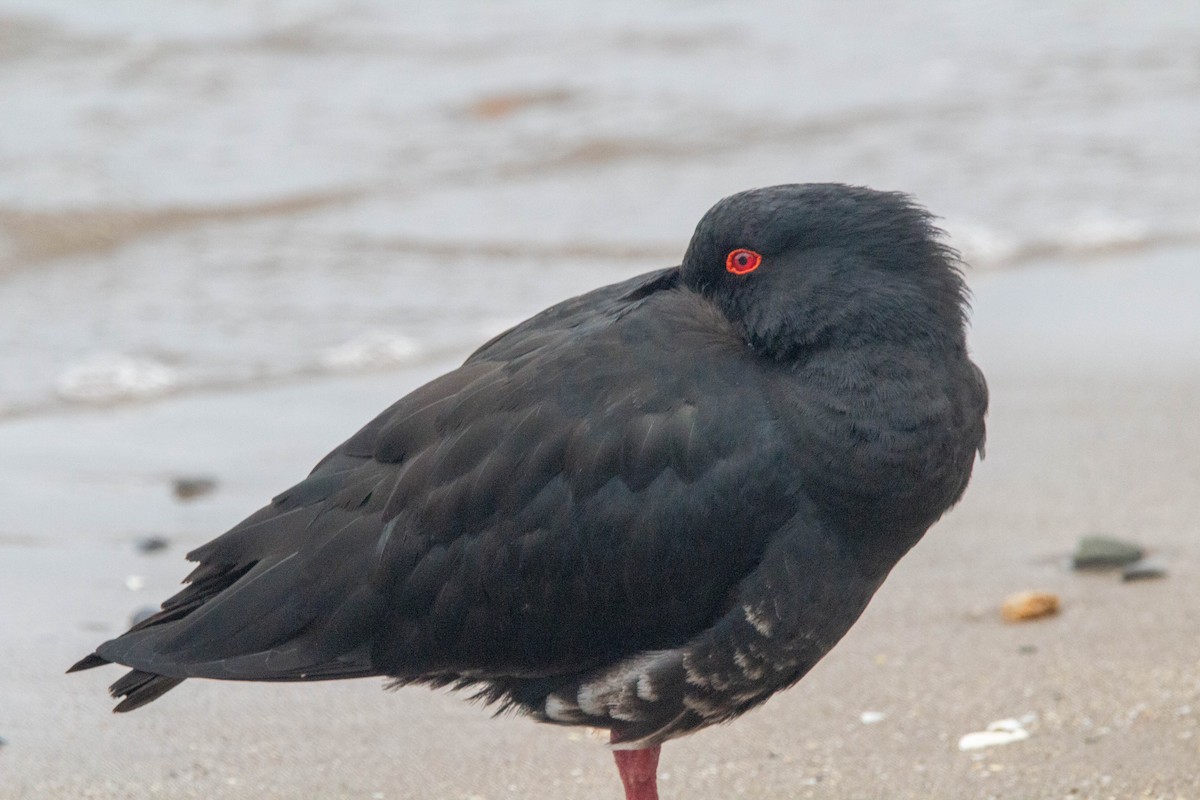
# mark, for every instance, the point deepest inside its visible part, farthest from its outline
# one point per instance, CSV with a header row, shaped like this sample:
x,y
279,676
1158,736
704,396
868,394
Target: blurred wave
x,y
203,195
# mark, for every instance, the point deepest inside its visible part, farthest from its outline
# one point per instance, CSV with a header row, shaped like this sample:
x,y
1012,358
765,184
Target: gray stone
x,y
1143,570
1104,552
152,544
189,488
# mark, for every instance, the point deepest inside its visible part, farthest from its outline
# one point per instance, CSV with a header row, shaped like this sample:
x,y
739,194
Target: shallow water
x,y
200,195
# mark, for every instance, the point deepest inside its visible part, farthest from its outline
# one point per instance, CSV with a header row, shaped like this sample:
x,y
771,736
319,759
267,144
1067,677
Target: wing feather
x,y
571,495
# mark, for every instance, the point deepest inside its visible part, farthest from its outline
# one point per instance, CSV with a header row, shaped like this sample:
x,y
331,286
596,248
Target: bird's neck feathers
x,y
850,309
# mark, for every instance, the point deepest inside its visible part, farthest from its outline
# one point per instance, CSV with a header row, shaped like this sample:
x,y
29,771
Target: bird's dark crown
x,y
840,264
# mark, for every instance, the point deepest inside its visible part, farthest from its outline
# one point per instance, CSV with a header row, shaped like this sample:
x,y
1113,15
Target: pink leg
x,y
639,772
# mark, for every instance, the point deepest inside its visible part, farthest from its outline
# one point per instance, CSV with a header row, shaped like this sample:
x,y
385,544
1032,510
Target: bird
x,y
645,509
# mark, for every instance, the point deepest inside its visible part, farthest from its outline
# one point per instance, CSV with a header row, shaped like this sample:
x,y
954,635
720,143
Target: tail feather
x,y
138,688
280,597
88,662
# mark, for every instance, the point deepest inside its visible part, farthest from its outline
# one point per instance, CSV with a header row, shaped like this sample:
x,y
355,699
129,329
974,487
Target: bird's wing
x,y
582,488
809,587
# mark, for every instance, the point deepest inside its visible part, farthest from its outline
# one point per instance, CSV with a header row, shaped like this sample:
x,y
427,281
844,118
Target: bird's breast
x,y
883,436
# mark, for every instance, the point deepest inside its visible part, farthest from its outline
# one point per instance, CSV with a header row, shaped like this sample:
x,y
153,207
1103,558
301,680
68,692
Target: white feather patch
x,y
750,670
615,692
702,707
594,698
759,619
645,689
559,709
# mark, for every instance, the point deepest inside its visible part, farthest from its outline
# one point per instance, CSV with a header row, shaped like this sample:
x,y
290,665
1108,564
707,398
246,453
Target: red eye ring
x,y
741,261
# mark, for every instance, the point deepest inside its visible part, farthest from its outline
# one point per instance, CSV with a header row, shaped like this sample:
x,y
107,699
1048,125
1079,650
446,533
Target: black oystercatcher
x,y
646,509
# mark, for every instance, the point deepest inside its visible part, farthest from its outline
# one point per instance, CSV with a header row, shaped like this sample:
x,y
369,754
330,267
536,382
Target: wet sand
x,y
1108,690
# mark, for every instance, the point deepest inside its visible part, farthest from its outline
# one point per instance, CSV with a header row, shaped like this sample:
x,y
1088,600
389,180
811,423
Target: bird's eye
x,y
741,261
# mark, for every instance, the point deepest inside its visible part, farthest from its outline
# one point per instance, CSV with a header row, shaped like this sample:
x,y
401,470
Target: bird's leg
x,y
639,772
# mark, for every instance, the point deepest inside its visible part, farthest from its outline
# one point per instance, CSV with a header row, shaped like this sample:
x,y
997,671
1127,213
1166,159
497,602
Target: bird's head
x,y
801,266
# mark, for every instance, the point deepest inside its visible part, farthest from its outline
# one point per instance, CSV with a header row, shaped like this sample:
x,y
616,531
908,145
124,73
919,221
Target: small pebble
x,y
872,717
152,544
1143,570
1104,552
141,614
1024,606
1027,649
135,583
191,488
1002,731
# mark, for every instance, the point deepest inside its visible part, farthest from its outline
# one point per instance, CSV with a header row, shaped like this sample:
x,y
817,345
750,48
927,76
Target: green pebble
x,y
1103,552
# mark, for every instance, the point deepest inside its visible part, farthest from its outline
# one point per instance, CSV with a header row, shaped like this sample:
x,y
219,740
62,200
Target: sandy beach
x,y
232,233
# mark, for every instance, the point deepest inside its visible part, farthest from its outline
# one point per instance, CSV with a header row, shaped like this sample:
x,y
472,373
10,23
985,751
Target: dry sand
x,y
1109,690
